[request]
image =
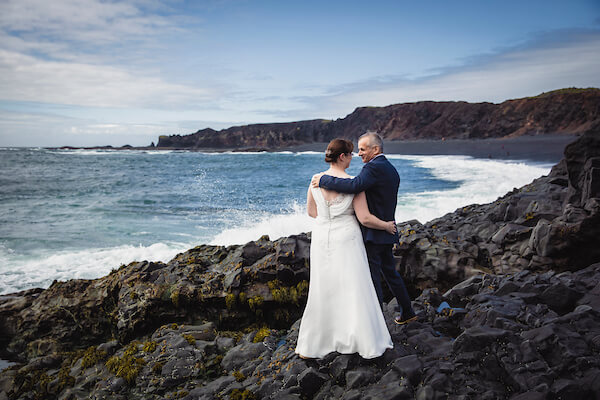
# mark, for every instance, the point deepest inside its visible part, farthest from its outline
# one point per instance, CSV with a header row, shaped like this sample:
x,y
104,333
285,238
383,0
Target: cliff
x,y
507,293
565,111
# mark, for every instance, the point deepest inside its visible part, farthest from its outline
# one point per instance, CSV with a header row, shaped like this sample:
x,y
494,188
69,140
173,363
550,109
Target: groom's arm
x,y
364,180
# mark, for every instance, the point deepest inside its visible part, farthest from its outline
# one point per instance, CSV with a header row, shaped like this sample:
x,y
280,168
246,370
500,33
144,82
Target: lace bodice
x,y
329,209
334,201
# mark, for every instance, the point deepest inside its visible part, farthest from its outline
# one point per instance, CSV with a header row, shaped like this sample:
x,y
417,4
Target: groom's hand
x,y
390,227
314,182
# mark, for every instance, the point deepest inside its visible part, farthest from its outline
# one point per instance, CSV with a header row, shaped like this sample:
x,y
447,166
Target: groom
x,y
380,181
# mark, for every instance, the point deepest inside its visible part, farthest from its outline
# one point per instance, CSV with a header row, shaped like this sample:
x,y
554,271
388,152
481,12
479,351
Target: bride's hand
x,y
314,182
390,227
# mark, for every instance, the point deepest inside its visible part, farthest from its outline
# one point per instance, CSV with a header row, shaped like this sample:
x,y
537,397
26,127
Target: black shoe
x,y
400,320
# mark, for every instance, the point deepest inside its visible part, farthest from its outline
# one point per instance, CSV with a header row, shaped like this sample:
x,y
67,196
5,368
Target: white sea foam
x,y
81,152
274,225
481,181
39,270
300,153
103,152
244,152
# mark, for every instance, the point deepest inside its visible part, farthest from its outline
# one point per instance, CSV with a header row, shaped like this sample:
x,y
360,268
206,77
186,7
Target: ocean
x,y
80,213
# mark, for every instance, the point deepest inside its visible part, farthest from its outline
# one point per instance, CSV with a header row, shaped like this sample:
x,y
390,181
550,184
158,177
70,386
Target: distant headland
x,y
511,129
568,111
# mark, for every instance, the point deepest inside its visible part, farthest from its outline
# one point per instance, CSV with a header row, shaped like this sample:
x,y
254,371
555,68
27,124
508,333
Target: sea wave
x,y
302,153
274,225
39,270
480,181
103,152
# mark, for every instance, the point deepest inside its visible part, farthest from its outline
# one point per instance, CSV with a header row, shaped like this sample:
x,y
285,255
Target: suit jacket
x,y
380,181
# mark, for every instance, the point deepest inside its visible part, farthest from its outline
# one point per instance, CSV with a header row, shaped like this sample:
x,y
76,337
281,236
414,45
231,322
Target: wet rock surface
x,y
508,304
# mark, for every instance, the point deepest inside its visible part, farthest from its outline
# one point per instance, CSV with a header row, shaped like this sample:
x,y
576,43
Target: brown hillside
x,y
564,111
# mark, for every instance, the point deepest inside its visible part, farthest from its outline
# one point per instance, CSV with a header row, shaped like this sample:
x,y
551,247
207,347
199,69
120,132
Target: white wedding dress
x,y
342,310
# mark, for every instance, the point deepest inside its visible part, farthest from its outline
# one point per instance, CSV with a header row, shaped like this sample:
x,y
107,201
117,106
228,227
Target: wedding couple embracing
x,y
347,261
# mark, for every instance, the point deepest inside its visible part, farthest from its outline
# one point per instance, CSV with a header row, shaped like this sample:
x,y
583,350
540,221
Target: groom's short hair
x,y
374,139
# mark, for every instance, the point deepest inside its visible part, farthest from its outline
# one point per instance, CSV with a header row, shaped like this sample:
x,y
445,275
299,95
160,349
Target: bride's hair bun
x,y
336,148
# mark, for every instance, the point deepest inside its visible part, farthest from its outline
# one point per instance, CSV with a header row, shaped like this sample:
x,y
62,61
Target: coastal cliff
x,y
508,297
565,112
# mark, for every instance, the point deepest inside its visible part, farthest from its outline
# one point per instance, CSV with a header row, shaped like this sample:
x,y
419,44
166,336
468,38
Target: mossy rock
x,y
127,366
149,347
92,356
261,334
239,394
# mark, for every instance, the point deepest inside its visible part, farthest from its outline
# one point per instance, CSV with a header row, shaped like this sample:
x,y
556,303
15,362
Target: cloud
x,y
92,22
90,53
553,61
26,78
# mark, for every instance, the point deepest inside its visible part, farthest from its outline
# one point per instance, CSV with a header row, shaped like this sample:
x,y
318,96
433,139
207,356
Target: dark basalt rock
x,y
543,226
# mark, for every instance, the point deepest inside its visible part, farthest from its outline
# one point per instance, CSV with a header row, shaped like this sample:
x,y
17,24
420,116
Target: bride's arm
x,y
367,219
311,206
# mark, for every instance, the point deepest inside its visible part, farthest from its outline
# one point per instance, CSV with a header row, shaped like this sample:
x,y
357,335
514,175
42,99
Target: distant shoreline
x,y
546,148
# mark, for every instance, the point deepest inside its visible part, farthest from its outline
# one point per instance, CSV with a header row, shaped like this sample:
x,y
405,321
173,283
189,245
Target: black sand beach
x,y
543,148
547,148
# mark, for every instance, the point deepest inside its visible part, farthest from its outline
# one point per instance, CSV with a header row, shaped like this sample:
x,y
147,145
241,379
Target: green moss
x,y
239,394
34,382
288,294
175,298
92,356
157,367
282,315
230,300
149,347
190,339
64,378
239,375
132,348
181,394
242,297
127,366
302,288
237,335
261,334
255,302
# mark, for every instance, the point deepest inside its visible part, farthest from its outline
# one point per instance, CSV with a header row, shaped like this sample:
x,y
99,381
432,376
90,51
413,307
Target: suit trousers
x,y
381,262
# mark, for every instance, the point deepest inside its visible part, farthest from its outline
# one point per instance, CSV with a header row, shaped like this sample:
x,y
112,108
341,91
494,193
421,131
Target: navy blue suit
x,y
380,181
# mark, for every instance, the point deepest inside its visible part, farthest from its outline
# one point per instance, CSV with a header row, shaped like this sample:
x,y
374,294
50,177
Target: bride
x,y
342,311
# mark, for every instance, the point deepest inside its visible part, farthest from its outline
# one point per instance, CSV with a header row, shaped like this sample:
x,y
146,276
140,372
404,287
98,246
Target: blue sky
x,y
92,72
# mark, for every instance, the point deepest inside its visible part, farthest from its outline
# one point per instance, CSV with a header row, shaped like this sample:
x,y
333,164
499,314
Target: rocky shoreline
x,y
543,148
508,295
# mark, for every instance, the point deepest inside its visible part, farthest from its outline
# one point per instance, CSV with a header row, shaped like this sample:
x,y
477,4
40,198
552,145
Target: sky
x,y
103,72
